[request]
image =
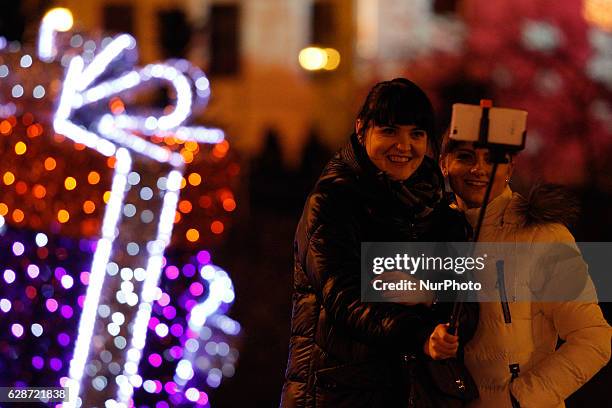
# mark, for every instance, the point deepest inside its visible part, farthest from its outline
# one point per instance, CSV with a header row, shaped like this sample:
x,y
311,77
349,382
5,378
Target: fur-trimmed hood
x,y
545,204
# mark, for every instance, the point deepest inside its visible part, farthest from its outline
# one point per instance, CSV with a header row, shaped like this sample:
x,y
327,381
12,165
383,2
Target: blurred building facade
x,y
250,50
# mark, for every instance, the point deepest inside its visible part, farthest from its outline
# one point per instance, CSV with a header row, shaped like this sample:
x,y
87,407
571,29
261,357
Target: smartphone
x,y
502,127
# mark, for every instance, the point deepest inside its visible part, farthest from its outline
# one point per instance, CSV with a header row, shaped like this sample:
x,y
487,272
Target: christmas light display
x,y
45,278
122,285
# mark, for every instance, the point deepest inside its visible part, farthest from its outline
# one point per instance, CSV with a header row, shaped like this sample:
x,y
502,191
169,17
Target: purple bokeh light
x,y
38,362
66,311
84,277
196,289
63,339
176,352
56,364
155,359
172,272
51,305
169,312
176,330
203,257
189,270
59,272
171,388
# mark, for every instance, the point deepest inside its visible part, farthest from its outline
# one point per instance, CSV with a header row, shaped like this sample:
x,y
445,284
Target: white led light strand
x,y
221,291
98,272
109,132
58,19
149,289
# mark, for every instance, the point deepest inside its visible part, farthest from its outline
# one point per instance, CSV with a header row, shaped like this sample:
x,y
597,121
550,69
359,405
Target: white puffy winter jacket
x,y
547,375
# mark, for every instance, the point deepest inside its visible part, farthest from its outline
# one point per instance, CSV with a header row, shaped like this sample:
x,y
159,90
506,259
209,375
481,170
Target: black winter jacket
x,y
343,352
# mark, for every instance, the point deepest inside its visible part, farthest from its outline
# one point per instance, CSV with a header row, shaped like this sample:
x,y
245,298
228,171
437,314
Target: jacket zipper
x,y
514,373
501,286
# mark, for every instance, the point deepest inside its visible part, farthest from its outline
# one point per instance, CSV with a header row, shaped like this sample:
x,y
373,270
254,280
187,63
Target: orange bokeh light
x,y
3,209
89,207
192,235
169,140
8,178
217,227
18,215
5,127
220,149
34,130
39,191
191,146
194,179
187,156
63,216
50,163
116,106
21,187
185,206
229,204
93,177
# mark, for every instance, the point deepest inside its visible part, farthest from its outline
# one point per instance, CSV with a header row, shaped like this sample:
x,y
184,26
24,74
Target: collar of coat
x,y
421,192
544,204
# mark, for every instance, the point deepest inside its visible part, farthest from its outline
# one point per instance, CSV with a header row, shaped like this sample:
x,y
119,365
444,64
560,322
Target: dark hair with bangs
x,y
448,145
399,102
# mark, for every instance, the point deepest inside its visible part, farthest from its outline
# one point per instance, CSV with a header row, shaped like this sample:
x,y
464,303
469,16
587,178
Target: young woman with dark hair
x,y
382,186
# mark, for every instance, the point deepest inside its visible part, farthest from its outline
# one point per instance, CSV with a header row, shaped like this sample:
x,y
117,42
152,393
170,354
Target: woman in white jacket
x,y
547,375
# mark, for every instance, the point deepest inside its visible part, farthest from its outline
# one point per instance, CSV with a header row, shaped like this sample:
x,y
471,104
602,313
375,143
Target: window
x,y
445,6
12,21
174,33
323,24
224,39
119,18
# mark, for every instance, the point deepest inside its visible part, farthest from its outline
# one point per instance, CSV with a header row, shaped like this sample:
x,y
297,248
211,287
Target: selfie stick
x,y
497,156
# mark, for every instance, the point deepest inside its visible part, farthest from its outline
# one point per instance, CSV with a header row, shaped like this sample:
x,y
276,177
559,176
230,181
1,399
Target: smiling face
x,y
468,170
398,150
